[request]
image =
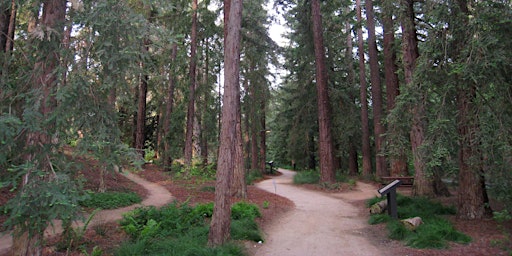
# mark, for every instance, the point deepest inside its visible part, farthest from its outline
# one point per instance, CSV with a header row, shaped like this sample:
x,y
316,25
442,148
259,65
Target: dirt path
x,y
321,224
158,196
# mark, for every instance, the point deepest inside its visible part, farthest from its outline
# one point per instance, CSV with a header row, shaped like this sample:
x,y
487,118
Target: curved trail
x,y
321,224
158,196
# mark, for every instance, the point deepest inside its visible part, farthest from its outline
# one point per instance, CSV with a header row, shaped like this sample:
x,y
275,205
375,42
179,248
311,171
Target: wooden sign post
x,y
390,192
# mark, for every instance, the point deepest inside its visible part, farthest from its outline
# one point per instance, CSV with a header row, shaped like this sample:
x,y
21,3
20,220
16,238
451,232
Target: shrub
x,y
111,200
243,210
252,176
435,232
183,230
306,177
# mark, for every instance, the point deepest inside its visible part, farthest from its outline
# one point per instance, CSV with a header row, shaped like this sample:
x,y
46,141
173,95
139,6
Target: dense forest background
x,y
372,88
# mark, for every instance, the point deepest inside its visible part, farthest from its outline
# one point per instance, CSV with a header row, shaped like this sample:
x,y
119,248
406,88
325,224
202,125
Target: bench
x,y
406,181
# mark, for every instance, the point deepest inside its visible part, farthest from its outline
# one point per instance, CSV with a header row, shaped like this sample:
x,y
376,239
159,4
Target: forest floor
x,y
299,220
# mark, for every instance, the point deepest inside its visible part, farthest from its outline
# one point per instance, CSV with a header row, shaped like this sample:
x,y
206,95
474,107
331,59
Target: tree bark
x,y
472,194
253,122
221,219
326,148
8,12
192,88
7,26
398,161
351,78
204,138
423,183
166,156
140,136
366,150
263,138
381,169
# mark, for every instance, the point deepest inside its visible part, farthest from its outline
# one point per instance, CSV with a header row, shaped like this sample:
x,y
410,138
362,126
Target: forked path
x,y
320,224
158,196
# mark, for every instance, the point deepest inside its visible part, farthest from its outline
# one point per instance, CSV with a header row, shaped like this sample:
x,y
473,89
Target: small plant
x,y
330,186
266,204
351,183
505,243
208,189
149,155
96,251
73,237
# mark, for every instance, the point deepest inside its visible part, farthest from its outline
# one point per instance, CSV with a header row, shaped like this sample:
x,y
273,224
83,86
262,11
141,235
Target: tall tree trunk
x,y
423,183
188,152
44,83
8,12
398,161
351,78
380,161
471,191
263,137
239,184
204,138
221,219
326,148
7,26
140,136
366,150
167,157
254,123
472,194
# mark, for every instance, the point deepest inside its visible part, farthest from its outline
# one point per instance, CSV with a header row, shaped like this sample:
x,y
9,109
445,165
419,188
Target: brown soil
x,y
488,237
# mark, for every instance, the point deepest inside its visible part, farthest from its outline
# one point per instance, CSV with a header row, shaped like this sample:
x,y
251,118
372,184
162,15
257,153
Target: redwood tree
x,y
472,194
423,183
366,150
226,163
192,88
166,123
40,141
326,149
380,161
398,157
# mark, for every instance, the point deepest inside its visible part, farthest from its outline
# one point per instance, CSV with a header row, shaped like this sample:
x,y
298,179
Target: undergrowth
x,y
253,176
110,200
183,230
435,232
306,177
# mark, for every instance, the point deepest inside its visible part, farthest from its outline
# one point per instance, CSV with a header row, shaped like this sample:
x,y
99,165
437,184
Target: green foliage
x,y
502,216
74,237
379,218
96,251
244,210
434,232
183,230
245,229
40,201
110,200
149,155
306,177
252,176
